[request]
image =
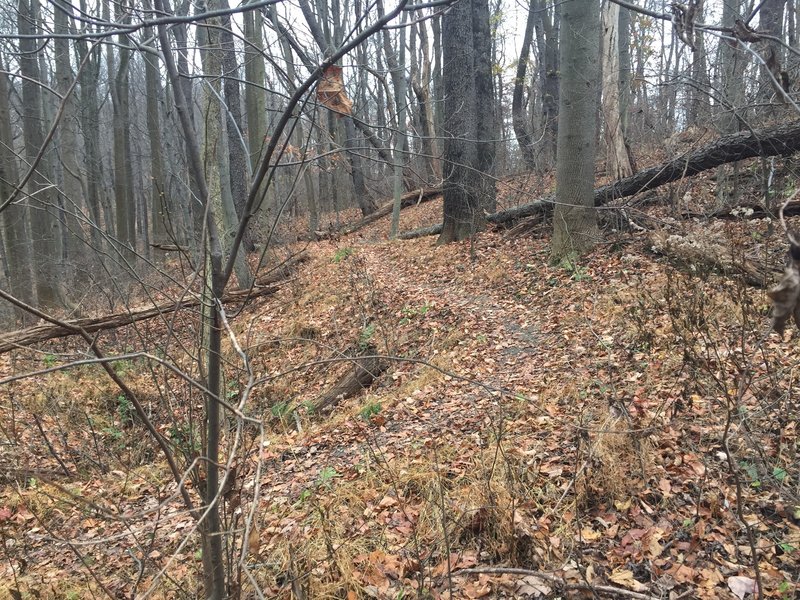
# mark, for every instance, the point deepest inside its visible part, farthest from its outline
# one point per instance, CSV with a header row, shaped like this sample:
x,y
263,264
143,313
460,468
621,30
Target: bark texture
x,y
575,220
468,128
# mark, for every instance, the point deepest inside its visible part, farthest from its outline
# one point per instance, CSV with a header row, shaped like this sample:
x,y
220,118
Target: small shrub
x,y
342,254
369,410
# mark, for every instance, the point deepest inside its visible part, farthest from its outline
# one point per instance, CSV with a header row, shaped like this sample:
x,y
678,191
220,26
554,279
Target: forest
x,y
399,299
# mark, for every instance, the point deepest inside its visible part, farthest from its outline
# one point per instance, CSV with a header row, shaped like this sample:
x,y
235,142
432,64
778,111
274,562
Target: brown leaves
x,y
331,94
785,296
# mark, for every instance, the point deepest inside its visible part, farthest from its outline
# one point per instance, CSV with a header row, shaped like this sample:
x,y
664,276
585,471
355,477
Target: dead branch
x,y
48,331
408,199
606,589
363,373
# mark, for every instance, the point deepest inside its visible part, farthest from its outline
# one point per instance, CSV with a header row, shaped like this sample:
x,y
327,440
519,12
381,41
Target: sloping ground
x,y
615,423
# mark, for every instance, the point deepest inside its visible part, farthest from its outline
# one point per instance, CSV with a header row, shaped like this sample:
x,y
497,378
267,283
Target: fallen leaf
x,y
625,578
253,541
740,586
533,586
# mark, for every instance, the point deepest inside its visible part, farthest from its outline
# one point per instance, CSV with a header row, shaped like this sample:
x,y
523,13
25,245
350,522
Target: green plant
x,y
786,589
185,438
121,366
752,473
49,360
113,433
365,336
577,272
342,254
232,390
409,312
125,409
281,410
326,476
787,548
369,410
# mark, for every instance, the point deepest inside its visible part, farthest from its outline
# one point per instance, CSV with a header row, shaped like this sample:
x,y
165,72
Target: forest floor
x,y
624,427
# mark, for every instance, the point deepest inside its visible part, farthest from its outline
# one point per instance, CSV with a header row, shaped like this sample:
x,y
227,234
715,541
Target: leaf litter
x,y
565,420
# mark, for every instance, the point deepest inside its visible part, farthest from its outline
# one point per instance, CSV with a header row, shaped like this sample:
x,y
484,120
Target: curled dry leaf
x,y
331,93
253,542
785,297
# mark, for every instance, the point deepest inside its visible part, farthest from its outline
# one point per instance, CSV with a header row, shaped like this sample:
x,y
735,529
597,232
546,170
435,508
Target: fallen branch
x,y
48,331
606,589
422,232
364,371
406,200
774,141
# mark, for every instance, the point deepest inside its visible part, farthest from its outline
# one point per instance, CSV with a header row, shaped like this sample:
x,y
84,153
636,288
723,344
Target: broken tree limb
x,y
782,140
49,331
422,232
408,199
364,371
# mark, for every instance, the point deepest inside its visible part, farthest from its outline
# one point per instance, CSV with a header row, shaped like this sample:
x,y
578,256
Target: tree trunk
x,y
161,219
771,23
14,219
240,173
68,152
463,213
618,164
547,40
699,93
420,83
125,208
731,110
519,115
89,117
42,201
397,64
45,332
216,151
485,110
575,220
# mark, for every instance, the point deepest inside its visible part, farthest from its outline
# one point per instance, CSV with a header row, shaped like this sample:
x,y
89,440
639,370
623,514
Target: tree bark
x,y
43,206
217,152
547,39
239,172
89,113
14,219
72,192
469,115
618,164
575,221
485,106
519,115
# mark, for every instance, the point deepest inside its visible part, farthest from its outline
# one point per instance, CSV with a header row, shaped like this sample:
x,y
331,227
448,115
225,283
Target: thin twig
x,y
607,589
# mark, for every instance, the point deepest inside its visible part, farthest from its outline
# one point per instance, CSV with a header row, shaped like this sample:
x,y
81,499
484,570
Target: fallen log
x,y
421,232
782,140
364,371
406,200
48,331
